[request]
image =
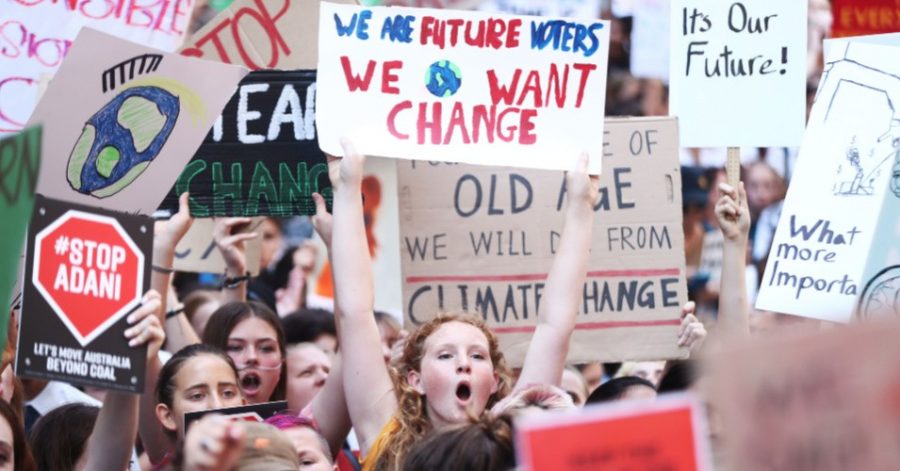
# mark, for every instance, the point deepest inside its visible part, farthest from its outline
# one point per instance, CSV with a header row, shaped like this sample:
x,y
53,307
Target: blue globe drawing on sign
x,y
443,79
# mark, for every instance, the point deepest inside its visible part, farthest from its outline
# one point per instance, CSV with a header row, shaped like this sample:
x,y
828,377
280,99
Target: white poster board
x,y
650,39
514,98
584,9
738,72
37,36
833,210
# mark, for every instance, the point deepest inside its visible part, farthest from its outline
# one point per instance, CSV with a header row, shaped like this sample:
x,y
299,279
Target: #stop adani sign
x,y
87,269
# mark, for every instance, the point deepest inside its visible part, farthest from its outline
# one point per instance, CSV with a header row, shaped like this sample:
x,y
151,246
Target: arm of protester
x,y
367,384
330,404
230,243
111,441
156,443
733,216
179,331
549,346
692,333
166,235
213,443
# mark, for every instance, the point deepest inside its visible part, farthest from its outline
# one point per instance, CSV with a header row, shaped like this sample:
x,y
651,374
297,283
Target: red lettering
x,y
512,33
557,86
392,118
526,127
387,77
511,129
354,82
495,38
480,115
434,125
457,120
500,92
99,10
428,23
217,43
585,70
268,24
13,50
178,12
533,85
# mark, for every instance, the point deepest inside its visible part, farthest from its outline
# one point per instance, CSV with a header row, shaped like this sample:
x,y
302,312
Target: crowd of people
x,y
362,390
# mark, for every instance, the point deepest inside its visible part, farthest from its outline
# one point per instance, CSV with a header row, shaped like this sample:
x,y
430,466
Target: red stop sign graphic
x,y
89,271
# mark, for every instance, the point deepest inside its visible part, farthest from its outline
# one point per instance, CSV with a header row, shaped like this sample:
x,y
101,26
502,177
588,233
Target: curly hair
x,y
412,413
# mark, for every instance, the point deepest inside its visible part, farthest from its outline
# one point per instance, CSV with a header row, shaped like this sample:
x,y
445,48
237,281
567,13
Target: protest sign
x,y
118,127
20,160
828,400
250,413
482,239
261,34
846,174
734,67
448,4
196,251
37,35
86,270
585,9
460,86
668,433
863,17
650,39
261,156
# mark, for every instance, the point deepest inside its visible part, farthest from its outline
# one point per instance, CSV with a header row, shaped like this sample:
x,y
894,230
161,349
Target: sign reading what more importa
x,y
461,86
261,156
86,270
482,239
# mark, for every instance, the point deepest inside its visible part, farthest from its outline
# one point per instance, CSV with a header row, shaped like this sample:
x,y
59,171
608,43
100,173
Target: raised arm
x,y
549,346
230,243
111,441
734,221
367,384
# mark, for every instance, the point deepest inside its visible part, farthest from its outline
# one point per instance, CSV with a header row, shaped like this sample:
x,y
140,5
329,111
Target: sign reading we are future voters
x,y
454,86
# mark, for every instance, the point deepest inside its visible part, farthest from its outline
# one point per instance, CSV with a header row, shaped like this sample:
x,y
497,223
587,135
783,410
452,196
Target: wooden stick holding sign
x,y
733,166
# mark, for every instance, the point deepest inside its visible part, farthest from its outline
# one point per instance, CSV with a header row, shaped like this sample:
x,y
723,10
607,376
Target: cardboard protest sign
x,y
585,9
86,270
842,192
462,86
669,433
482,239
39,33
736,65
650,39
20,160
261,156
863,17
250,413
133,117
823,401
197,252
261,34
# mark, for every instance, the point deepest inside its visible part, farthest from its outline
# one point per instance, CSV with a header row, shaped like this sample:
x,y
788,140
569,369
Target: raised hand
x,y
692,333
230,243
167,234
346,171
580,186
733,213
322,220
145,325
213,443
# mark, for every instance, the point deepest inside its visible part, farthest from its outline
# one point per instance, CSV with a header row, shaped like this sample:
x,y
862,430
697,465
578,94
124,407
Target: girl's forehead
x,y
457,333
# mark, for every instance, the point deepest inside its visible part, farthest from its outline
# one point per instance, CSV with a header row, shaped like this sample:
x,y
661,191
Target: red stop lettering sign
x,y
89,271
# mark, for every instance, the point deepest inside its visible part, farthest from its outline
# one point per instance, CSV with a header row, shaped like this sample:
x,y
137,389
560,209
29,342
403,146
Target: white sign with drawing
x,y
847,181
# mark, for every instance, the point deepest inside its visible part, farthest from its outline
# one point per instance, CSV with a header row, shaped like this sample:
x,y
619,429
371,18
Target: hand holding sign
x,y
733,214
167,234
146,328
214,442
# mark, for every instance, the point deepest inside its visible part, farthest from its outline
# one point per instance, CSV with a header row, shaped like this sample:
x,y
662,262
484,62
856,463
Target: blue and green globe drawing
x,y
443,79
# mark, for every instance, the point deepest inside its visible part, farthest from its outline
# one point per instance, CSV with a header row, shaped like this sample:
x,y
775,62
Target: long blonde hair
x,y
412,413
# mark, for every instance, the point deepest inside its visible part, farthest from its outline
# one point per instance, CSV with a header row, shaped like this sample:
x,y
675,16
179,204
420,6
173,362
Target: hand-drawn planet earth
x,y
443,79
881,295
121,139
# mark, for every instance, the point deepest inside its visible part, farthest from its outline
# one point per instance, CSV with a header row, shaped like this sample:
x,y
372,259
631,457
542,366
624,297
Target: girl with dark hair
x,y
198,377
625,387
14,452
251,334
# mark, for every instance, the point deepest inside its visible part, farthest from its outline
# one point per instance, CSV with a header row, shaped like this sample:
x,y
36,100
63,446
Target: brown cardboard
x,y
261,34
197,252
811,402
428,215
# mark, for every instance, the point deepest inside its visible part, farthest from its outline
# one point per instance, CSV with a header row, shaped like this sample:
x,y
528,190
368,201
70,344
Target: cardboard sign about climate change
x,y
261,34
197,252
461,86
37,35
841,209
261,156
86,271
823,401
738,72
133,117
666,434
482,239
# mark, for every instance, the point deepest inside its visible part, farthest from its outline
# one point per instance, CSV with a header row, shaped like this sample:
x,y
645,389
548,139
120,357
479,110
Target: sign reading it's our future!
x,y
491,89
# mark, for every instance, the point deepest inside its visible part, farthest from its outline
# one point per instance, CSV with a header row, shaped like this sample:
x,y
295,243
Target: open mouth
x,y
463,392
250,382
